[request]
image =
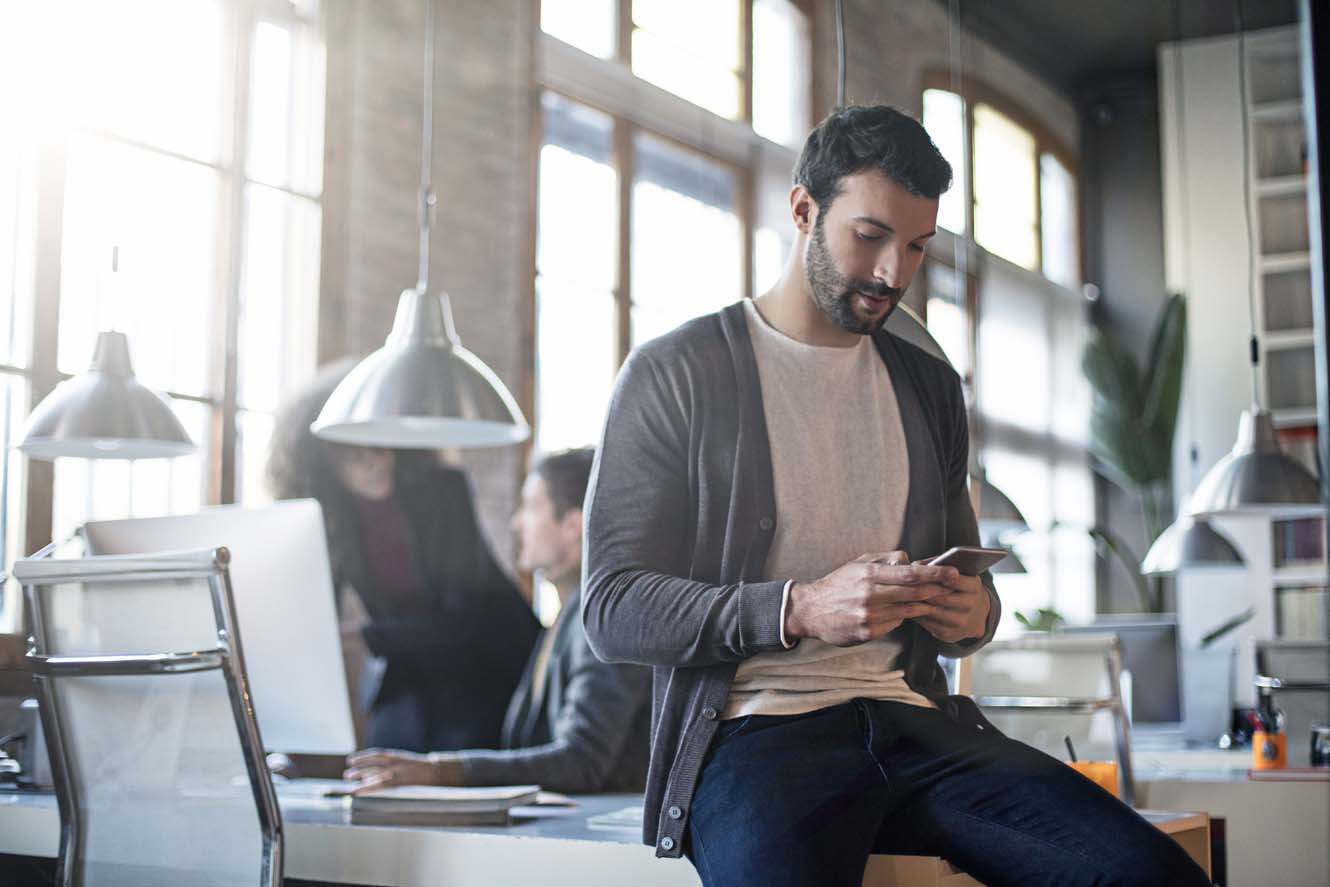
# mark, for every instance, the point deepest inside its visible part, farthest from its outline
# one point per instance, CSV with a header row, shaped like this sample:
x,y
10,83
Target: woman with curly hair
x,y
449,626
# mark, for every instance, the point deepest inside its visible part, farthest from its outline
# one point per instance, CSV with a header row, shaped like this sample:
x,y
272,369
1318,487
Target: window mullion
x,y
623,49
625,166
746,46
45,376
222,474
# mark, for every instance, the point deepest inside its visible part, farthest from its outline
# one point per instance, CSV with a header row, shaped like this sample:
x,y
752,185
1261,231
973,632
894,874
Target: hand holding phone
x,y
969,561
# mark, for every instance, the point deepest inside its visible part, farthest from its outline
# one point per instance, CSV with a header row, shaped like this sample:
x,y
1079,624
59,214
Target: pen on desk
x,y
1070,749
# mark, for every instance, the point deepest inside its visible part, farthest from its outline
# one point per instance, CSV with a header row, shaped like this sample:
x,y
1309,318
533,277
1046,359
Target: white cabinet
x,y
1209,256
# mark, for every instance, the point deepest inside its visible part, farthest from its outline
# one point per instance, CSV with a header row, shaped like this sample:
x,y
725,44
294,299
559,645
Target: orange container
x,y
1269,751
1102,773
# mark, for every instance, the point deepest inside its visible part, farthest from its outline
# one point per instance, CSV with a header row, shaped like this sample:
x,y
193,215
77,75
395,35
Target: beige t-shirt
x,y
841,472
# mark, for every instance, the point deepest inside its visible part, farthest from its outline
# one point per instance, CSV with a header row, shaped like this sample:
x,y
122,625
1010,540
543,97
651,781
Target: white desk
x,y
554,849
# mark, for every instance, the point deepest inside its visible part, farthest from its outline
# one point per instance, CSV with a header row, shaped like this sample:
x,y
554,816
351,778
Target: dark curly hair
x,y
861,137
302,466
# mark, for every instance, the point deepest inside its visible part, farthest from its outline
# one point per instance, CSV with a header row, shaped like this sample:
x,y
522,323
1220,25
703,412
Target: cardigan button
x,y
709,713
667,843
766,524
675,813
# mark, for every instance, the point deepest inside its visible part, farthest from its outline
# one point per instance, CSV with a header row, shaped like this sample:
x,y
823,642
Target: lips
x,y
874,302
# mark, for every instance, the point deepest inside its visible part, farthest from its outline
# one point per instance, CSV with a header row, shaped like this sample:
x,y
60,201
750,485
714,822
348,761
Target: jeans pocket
x,y
732,728
970,715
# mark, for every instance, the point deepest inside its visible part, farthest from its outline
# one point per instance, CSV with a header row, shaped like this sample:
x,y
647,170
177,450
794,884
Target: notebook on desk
x,y
431,805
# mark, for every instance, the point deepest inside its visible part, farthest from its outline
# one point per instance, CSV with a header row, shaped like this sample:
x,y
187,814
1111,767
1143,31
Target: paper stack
x,y
440,805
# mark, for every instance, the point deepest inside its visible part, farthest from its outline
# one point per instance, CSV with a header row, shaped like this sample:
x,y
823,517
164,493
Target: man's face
x,y
864,249
546,541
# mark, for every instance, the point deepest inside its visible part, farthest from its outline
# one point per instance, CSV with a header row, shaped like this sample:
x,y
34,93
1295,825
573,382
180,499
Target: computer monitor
x,y
282,585
1150,653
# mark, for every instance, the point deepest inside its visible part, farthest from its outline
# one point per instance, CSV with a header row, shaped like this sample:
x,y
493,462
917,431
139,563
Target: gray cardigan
x,y
679,520
588,732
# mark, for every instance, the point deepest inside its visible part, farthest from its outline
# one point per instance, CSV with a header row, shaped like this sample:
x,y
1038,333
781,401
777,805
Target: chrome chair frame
x,y
228,657
1111,647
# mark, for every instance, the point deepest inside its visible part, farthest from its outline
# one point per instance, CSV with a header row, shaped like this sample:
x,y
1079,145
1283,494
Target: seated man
x,y
575,724
750,458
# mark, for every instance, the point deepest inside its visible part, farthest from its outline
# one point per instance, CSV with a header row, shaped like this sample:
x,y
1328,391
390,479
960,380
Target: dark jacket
x,y
679,520
587,732
454,652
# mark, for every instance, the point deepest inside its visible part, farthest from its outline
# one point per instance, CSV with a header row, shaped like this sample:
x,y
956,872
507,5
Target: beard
x,y
834,293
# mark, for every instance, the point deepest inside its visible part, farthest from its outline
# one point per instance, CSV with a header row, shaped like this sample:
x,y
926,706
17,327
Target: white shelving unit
x,y
1277,149
1206,257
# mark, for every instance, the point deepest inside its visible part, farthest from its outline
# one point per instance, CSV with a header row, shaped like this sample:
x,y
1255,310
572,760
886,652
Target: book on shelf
x,y
1301,442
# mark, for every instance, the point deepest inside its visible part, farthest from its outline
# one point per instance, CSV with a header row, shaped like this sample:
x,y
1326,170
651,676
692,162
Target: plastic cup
x,y
1102,773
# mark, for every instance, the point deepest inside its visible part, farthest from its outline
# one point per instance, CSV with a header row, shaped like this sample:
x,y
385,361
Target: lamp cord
x,y
1179,100
840,53
1246,203
427,198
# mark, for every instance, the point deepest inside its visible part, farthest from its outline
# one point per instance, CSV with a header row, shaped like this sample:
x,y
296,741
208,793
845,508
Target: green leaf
x,y
1162,385
1214,635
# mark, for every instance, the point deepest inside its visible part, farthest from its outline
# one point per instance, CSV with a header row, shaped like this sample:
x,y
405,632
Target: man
x,y
763,473
575,724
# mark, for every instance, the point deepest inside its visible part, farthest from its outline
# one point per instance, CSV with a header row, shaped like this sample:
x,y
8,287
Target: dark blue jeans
x,y
804,799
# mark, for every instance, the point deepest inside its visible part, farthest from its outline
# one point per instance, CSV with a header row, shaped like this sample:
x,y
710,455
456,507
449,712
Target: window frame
x,y
976,92
606,85
221,448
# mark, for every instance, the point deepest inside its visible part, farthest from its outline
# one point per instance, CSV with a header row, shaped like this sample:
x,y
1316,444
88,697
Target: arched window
x,y
1014,191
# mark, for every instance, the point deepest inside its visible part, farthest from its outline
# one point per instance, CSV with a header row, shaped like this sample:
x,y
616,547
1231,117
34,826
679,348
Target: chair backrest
x,y
1040,688
156,754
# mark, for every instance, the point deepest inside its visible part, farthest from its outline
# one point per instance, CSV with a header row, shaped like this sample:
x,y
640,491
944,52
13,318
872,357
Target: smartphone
x,y
969,561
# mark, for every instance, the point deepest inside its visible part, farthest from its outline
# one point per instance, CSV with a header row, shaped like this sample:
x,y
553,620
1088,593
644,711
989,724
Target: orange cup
x,y
1102,773
1269,751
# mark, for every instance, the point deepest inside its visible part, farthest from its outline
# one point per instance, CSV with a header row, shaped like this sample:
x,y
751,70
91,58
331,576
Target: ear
x,y
803,209
570,526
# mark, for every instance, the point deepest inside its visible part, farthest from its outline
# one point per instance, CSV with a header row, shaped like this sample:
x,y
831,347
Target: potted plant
x,y
1132,423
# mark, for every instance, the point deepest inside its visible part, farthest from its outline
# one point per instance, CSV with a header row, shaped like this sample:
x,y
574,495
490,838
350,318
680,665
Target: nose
x,y
891,265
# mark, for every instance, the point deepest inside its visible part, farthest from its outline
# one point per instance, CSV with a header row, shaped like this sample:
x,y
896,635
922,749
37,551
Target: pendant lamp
x,y
422,389
105,413
1257,477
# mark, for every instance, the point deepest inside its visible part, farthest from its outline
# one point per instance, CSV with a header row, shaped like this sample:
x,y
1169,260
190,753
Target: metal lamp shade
x,y
1190,543
421,390
997,513
105,413
1257,477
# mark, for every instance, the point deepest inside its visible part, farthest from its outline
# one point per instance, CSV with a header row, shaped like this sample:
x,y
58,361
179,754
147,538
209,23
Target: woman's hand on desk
x,y
376,768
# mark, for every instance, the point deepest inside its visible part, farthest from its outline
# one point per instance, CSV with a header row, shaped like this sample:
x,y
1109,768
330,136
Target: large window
x,y
743,60
1014,197
595,300
1032,424
648,207
1013,192
687,256
181,209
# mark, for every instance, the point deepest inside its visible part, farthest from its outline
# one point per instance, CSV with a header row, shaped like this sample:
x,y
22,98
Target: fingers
x,y
369,756
896,557
884,595
370,778
911,574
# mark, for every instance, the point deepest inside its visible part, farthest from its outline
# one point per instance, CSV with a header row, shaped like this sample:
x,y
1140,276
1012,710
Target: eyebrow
x,y
890,230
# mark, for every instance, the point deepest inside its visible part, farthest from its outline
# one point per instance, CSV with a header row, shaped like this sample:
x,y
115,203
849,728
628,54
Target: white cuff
x,y
785,602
